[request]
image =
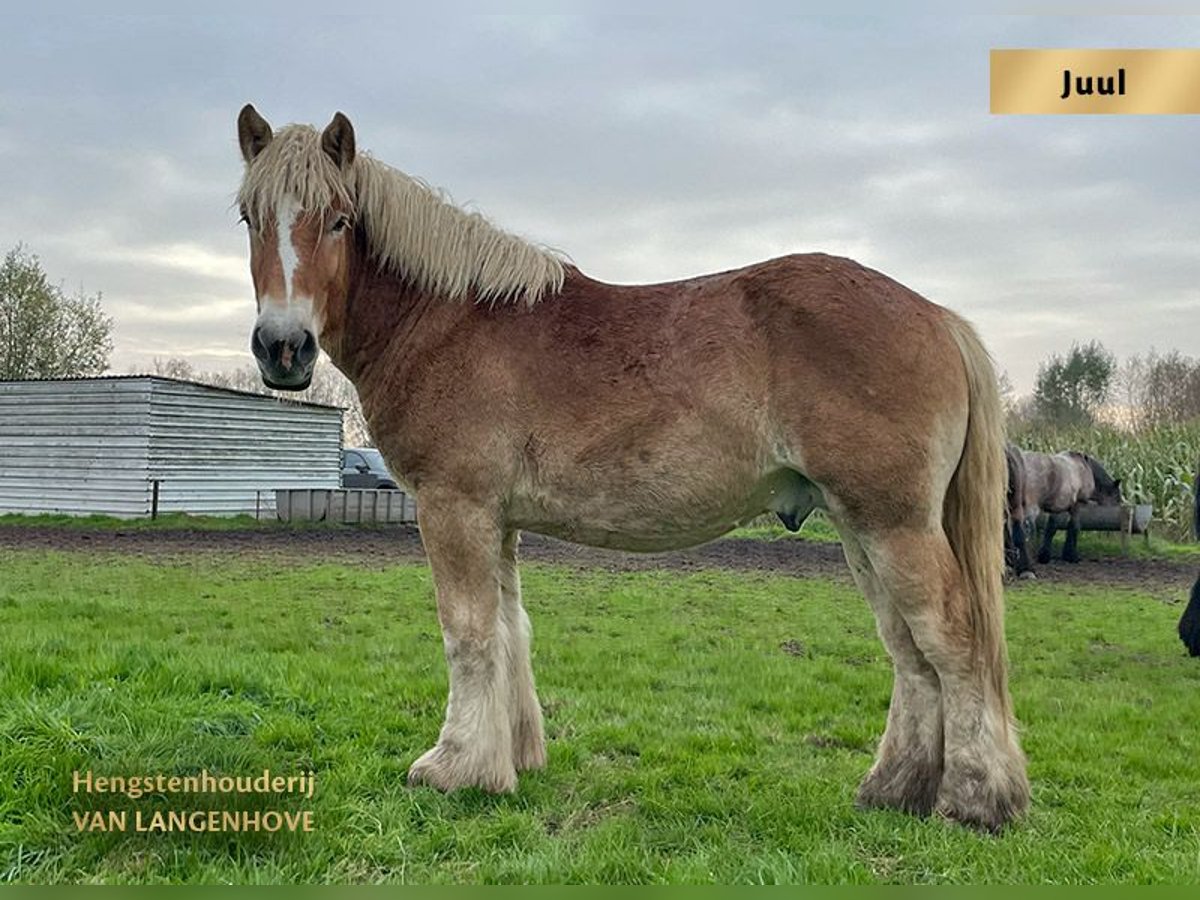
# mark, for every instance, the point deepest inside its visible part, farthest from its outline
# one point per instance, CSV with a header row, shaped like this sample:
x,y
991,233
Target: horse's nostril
x,y
308,350
257,346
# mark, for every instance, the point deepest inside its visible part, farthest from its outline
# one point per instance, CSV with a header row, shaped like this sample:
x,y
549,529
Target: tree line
x,y
47,333
1087,385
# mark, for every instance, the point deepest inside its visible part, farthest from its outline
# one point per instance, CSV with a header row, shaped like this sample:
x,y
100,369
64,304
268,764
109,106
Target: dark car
x,y
363,467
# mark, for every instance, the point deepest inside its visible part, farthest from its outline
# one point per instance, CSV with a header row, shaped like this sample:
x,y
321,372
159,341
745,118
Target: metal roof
x,y
122,445
168,380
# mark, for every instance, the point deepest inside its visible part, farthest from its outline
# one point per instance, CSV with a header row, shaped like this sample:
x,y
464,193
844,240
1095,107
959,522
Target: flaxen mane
x,y
411,228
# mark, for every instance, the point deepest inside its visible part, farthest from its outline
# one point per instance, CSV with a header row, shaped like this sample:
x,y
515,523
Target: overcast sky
x,y
645,148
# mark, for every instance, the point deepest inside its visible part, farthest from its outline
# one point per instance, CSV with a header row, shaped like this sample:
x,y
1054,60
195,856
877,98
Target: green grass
x,y
1107,545
168,522
768,528
171,522
703,727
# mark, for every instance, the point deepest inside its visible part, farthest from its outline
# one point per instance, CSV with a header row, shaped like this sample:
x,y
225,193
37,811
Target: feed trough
x,y
1127,519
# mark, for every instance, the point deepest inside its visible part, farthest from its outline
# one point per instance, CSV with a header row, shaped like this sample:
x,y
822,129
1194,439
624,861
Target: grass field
x,y
703,727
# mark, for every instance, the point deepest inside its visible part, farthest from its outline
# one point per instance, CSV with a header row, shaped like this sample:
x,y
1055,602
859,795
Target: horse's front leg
x,y
1047,538
1070,548
528,742
463,542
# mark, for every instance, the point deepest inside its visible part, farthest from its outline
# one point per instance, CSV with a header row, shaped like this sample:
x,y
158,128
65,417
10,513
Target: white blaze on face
x,y
291,312
285,220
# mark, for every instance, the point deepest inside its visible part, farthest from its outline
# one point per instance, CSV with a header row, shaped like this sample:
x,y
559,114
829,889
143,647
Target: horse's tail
x,y
973,513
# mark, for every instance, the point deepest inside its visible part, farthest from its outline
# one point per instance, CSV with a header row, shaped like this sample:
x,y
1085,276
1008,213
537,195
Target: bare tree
x,y
175,367
43,332
1163,388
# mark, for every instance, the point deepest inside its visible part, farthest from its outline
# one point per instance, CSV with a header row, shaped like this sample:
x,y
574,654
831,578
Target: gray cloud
x,y
645,147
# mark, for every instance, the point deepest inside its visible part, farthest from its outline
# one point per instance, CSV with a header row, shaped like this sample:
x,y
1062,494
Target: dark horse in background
x,y
1052,483
1189,624
1016,524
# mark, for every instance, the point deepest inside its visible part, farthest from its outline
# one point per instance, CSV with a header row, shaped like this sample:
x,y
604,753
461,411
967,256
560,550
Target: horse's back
x,y
1057,481
809,330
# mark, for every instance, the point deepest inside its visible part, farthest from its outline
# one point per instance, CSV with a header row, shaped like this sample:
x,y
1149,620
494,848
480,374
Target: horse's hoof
x,y
1027,575
529,748
913,789
986,801
449,769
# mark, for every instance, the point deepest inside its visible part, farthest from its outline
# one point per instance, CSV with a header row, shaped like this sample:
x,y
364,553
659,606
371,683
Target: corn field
x,y
1156,465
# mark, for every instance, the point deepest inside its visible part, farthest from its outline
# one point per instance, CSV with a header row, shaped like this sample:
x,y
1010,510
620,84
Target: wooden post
x,y
154,499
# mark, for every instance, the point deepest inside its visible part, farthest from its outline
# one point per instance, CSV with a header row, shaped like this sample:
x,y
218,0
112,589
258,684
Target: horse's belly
x,y
666,514
630,539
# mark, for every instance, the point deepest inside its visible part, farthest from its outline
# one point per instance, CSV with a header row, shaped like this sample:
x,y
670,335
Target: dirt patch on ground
x,y
385,546
376,547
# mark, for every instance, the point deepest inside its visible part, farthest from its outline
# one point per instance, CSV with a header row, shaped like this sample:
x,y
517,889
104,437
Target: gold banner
x,y
1095,81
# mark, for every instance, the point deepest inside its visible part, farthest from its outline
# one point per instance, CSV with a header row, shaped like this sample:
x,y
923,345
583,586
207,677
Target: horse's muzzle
x,y
285,360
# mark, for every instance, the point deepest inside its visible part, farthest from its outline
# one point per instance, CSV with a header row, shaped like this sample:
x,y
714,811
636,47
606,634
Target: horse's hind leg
x,y
983,776
463,543
908,767
528,743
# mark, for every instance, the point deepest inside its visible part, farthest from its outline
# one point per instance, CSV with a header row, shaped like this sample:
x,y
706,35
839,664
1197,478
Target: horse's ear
x,y
254,133
338,141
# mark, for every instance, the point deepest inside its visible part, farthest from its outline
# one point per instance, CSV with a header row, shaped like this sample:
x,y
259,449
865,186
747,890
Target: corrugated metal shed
x,y
97,445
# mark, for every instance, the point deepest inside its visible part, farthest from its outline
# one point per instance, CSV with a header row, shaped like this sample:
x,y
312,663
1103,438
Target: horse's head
x,y
295,201
1108,489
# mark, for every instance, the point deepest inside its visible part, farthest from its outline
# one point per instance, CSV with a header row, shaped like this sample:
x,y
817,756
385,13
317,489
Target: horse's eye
x,y
340,224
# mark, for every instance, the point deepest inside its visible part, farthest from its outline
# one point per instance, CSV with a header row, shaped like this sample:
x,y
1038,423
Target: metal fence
x,y
346,506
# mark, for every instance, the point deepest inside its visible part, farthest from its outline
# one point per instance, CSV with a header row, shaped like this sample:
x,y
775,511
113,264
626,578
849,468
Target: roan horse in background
x,y
511,391
1056,483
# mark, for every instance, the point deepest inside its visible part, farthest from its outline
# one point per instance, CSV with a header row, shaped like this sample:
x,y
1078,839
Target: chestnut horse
x,y
512,392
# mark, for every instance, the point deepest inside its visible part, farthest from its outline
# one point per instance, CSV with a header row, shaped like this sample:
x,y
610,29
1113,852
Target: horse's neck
x,y
385,326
